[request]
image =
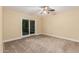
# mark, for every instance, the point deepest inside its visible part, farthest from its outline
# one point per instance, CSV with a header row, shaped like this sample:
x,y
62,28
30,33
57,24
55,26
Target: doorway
x,y
28,27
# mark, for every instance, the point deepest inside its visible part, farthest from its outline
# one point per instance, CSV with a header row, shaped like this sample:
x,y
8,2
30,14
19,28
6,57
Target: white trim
x,y
13,39
21,26
29,27
53,35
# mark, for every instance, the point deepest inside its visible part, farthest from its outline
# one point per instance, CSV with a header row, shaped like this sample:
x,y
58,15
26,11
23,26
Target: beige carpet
x,y
41,44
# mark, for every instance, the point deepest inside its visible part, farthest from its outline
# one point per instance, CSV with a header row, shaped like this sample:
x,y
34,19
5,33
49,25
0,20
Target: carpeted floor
x,y
41,44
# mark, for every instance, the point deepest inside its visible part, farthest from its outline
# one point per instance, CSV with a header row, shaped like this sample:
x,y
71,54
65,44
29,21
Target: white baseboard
x,y
11,39
19,38
72,39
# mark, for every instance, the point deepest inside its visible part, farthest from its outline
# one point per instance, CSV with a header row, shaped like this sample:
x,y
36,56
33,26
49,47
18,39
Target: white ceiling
x,y
35,10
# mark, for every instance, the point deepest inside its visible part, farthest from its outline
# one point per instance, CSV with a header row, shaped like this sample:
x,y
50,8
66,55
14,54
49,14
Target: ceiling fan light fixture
x,y
46,7
46,10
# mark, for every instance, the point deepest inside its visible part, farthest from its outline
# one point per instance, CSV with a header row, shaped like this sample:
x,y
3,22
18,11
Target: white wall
x,y
12,23
64,24
1,32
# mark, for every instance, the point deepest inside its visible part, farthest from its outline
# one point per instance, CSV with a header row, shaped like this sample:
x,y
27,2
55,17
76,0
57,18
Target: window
x,y
32,26
28,27
25,27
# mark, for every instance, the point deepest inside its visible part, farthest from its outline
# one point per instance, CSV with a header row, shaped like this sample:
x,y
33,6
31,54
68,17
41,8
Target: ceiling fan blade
x,y
47,10
51,10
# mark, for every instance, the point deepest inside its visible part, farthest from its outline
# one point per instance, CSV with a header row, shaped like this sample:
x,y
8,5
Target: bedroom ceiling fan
x,y
47,10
